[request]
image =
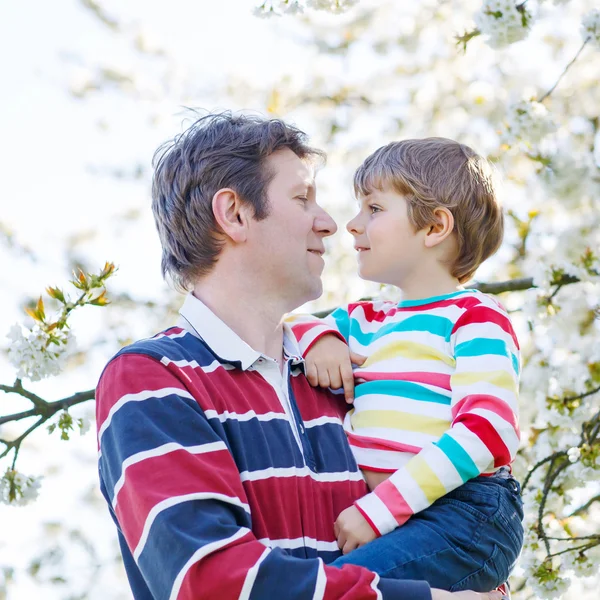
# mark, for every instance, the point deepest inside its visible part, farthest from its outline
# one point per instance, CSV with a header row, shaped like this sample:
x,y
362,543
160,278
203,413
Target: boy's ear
x,y
443,226
231,214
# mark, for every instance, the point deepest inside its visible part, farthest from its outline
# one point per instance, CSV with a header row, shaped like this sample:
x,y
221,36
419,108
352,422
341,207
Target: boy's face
x,y
389,248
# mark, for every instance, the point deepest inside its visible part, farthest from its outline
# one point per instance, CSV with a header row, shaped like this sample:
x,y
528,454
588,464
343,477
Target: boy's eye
x,y
374,208
303,198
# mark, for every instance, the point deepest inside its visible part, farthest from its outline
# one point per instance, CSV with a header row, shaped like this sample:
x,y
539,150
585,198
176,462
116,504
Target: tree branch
x,y
17,388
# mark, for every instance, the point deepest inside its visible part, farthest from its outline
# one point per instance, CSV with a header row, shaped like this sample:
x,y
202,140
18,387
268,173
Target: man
x,y
223,468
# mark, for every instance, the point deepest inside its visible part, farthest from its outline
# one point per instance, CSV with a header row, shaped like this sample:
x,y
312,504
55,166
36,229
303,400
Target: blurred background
x,y
90,89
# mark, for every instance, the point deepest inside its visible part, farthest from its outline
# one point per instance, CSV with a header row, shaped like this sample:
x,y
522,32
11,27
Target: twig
x,y
565,70
584,507
540,463
581,548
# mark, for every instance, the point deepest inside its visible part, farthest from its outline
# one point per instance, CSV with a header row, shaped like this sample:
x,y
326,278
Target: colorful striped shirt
x,y
224,475
436,402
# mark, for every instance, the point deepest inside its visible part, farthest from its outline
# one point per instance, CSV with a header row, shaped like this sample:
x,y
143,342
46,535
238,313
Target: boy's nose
x,y
354,226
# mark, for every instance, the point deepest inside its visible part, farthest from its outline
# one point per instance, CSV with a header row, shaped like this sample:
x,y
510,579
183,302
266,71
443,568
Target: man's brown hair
x,y
222,150
434,172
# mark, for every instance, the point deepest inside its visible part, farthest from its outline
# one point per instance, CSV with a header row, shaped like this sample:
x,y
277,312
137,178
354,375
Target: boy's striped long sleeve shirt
x,y
225,476
436,402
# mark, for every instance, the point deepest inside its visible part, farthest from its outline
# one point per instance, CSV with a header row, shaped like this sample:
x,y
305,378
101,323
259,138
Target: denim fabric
x,y
468,540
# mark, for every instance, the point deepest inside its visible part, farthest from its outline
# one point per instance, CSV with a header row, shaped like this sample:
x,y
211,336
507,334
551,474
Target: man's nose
x,y
324,224
354,226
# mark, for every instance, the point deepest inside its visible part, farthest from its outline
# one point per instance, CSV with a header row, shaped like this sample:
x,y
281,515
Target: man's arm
x,y
176,494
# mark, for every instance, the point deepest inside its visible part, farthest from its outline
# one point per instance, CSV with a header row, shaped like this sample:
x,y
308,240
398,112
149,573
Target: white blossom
x,y
24,488
581,565
550,589
334,6
34,356
84,425
271,8
590,26
527,121
502,22
574,454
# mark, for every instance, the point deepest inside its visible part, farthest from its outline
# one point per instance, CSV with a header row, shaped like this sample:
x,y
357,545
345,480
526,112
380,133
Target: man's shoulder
x,y
172,345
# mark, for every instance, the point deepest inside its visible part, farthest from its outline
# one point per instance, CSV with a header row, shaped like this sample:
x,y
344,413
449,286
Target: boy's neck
x,y
429,285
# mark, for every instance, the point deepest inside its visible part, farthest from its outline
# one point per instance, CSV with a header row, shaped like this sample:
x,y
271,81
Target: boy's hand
x,y
329,364
352,530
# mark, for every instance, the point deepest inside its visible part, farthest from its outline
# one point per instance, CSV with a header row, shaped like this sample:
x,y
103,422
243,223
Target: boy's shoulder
x,y
371,310
475,298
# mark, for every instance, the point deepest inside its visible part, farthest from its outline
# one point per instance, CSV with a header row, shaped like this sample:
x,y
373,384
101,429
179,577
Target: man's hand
x,y
329,364
464,595
352,530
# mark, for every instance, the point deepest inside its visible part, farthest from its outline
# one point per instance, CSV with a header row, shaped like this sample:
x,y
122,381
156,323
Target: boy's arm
x,y
177,496
484,432
307,329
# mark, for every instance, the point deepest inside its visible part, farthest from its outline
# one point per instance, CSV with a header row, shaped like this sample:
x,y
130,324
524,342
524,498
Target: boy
x,y
434,425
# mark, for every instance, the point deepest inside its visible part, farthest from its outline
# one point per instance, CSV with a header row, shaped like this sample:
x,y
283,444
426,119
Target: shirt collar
x,y
229,347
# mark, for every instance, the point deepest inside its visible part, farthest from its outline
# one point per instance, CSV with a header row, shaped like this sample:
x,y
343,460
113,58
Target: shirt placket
x,y
269,369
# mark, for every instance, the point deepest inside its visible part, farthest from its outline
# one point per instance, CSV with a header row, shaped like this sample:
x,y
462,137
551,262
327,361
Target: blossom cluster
x,y
590,26
36,353
17,489
271,8
527,122
503,22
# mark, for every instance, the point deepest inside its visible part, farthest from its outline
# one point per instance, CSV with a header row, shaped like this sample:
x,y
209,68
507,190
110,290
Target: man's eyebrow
x,y
302,186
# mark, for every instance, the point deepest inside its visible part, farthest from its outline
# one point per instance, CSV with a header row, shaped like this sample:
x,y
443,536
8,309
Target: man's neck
x,y
255,319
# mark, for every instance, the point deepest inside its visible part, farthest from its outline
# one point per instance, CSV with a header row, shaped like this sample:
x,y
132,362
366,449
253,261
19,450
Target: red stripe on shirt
x,y
388,493
363,441
177,473
115,387
487,433
440,380
491,403
221,578
485,314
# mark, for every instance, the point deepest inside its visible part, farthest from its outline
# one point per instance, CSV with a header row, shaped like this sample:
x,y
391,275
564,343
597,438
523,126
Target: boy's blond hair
x,y
434,172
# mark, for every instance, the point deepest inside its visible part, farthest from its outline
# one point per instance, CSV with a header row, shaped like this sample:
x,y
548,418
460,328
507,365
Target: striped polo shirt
x,y
436,401
223,474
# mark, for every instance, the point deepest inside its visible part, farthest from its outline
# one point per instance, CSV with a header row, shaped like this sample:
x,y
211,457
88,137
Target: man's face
x,y
288,245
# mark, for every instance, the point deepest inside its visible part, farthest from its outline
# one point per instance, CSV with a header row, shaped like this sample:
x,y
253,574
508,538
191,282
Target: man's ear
x,y
231,214
441,229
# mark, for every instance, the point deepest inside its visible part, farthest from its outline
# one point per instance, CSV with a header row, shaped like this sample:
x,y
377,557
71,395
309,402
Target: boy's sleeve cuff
x,y
378,515
314,335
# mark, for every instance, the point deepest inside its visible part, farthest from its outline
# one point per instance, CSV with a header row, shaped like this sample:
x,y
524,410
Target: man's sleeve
x,y
484,432
176,495
307,329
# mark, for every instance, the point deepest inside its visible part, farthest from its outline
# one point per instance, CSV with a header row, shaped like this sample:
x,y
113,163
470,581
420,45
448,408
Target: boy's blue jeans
x,y
468,540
